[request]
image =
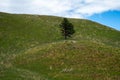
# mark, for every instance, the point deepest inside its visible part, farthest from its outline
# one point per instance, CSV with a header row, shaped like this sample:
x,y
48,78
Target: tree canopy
x,y
67,28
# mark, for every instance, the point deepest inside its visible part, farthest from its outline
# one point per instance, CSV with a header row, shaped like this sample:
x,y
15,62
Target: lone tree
x,y
67,28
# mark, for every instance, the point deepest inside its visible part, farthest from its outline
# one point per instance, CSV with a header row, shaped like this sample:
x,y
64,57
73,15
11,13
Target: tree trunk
x,y
65,37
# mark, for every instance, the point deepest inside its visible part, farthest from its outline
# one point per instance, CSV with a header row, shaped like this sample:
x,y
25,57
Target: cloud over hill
x,y
68,8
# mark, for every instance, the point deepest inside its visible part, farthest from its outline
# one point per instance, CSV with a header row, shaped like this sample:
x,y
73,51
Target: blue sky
x,y
109,18
106,12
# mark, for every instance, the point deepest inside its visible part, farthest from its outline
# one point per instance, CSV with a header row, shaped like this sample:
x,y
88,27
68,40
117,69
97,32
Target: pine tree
x,y
67,28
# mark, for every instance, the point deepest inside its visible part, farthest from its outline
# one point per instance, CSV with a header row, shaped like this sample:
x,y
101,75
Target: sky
x,y
106,12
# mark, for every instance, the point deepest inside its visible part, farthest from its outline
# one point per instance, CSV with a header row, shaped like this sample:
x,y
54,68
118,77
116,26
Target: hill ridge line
x,y
44,46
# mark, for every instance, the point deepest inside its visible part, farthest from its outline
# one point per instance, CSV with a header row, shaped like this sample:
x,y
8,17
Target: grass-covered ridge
x,y
31,48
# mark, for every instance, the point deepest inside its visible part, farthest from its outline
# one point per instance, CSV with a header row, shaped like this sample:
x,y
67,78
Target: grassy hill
x,y
32,48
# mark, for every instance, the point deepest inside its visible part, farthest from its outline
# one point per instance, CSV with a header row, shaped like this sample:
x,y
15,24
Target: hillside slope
x,y
32,48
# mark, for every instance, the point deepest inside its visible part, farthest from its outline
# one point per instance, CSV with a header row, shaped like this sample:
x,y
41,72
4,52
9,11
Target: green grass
x,y
72,61
31,48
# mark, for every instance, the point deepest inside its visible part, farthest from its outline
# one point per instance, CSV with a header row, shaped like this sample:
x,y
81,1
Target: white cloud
x,y
67,8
